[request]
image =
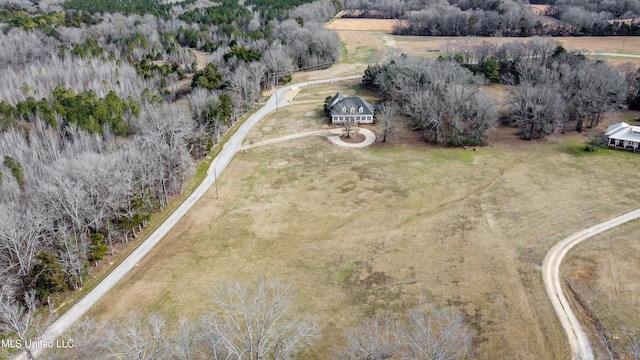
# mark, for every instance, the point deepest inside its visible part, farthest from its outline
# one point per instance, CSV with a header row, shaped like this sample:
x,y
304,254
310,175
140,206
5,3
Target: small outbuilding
x,y
351,109
623,136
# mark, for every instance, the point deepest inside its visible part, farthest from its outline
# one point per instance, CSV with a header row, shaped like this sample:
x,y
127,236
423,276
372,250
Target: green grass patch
x,y
441,156
344,52
578,148
346,273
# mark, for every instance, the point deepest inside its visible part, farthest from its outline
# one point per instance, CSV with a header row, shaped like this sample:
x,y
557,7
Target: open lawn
x,y
384,228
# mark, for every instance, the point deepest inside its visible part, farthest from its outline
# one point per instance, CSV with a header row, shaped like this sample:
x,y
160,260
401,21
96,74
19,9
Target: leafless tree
x,y
187,341
388,117
90,340
18,317
318,11
253,323
536,109
600,88
245,81
278,63
21,236
634,345
440,334
139,338
376,338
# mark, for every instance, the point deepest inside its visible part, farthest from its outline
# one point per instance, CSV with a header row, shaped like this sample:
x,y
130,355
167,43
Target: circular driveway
x,y
369,138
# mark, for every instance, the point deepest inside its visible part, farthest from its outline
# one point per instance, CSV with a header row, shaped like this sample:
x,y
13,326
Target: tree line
x,y
501,18
259,321
255,322
140,7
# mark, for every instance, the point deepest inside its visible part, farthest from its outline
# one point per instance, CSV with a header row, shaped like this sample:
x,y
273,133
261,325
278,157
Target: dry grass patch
x,y
380,25
538,9
337,70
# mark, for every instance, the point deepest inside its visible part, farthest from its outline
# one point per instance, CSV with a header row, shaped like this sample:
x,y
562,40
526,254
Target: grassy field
x,y
366,39
603,272
384,228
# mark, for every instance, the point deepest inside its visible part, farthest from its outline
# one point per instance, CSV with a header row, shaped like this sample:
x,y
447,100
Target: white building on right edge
x,y
623,136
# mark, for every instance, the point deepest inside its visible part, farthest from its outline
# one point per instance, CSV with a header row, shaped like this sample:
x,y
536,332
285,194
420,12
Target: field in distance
x,y
362,36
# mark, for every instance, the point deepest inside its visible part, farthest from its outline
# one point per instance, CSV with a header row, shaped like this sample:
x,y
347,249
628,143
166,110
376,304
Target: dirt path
x,y
333,135
287,138
202,58
580,347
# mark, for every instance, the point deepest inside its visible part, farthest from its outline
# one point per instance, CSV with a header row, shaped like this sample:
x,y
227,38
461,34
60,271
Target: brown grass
x,y
538,9
387,227
381,25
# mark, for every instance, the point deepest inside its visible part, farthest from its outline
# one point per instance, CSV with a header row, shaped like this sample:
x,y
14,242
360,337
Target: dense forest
x,y
92,138
503,17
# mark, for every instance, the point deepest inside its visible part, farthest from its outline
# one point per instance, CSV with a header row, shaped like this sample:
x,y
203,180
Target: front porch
x,y
624,145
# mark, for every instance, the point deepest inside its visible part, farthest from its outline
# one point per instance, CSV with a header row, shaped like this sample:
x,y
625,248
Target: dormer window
x,y
351,110
344,109
360,109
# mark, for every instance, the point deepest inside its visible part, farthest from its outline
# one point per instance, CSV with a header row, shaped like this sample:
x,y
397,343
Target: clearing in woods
x,y
384,228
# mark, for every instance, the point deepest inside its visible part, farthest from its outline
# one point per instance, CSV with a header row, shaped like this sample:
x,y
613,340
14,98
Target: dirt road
x,y
580,347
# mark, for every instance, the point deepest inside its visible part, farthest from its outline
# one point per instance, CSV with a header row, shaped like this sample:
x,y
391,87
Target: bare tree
x,y
278,63
634,345
18,317
388,117
420,107
139,338
252,323
438,334
90,340
21,236
187,341
376,338
536,109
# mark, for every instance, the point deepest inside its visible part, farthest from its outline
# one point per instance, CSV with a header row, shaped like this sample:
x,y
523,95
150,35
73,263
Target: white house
x,y
623,135
352,109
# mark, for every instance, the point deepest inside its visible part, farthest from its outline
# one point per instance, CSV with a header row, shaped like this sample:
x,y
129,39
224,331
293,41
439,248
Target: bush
x,y
599,140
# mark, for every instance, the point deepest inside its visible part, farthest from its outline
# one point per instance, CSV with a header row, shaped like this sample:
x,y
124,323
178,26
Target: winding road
x,y
580,347
233,145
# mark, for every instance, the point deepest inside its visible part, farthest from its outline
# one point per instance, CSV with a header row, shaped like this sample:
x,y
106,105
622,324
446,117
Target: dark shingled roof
x,y
337,97
347,103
